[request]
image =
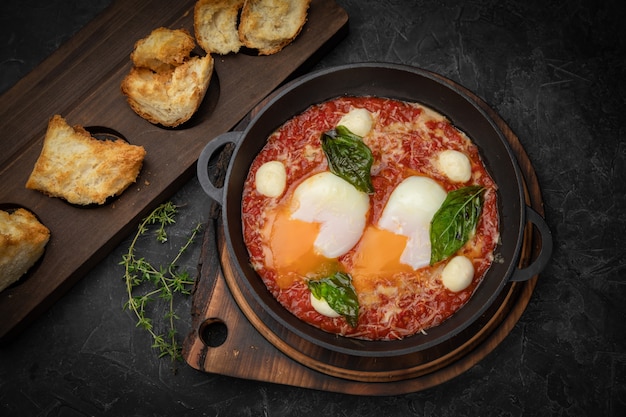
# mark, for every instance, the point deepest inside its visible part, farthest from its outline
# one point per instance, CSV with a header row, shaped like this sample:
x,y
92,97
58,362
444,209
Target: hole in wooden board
x,y
105,133
213,332
249,51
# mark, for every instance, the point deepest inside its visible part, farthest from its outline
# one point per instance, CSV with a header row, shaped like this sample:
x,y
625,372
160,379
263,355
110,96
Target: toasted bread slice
x,y
22,242
163,49
82,169
172,97
215,25
270,25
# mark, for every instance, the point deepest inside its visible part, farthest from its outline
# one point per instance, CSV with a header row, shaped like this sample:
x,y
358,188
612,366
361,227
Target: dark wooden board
x,y
81,82
251,350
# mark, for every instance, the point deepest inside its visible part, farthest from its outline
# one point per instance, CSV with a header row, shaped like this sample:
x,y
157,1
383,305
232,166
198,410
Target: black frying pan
x,y
403,83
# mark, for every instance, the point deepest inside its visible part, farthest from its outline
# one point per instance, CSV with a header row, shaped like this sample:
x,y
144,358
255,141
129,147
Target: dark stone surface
x,y
555,71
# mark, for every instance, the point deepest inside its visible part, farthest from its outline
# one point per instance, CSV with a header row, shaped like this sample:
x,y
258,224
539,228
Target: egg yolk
x,y
377,255
292,246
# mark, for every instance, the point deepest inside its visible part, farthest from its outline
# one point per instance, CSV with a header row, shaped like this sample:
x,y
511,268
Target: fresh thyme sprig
x,y
166,281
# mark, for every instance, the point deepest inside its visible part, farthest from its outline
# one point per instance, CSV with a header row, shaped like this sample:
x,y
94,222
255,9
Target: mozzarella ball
x,y
322,307
455,165
358,121
457,275
271,179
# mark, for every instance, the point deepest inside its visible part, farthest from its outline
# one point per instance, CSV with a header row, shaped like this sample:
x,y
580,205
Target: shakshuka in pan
x,y
370,217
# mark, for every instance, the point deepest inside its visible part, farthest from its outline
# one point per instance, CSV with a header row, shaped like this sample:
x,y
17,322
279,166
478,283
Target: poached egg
x,y
322,220
401,239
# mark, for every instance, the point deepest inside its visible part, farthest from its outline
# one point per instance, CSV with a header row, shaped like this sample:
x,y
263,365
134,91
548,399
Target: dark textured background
x,y
554,70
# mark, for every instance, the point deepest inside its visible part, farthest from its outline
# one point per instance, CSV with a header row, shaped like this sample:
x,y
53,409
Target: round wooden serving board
x,y
231,335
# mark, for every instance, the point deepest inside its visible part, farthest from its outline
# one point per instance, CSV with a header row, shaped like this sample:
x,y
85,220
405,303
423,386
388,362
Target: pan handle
x,y
216,193
538,265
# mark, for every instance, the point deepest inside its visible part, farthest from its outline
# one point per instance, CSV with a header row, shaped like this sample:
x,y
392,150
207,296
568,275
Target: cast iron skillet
x,y
403,83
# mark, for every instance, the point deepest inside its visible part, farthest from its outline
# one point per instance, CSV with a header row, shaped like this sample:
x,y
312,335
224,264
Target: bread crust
x,y
22,242
270,25
81,169
215,25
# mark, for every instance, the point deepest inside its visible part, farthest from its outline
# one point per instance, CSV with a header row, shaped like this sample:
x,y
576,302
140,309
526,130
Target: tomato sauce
x,y
404,141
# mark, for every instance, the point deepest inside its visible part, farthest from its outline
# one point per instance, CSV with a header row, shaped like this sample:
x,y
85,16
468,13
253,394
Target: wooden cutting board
x,y
81,82
229,335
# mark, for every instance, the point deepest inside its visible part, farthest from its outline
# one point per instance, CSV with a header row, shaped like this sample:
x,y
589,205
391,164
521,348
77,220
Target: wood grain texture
x,y
253,350
81,82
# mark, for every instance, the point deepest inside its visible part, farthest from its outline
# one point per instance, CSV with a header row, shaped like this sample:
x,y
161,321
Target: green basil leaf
x,y
455,221
340,295
349,157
